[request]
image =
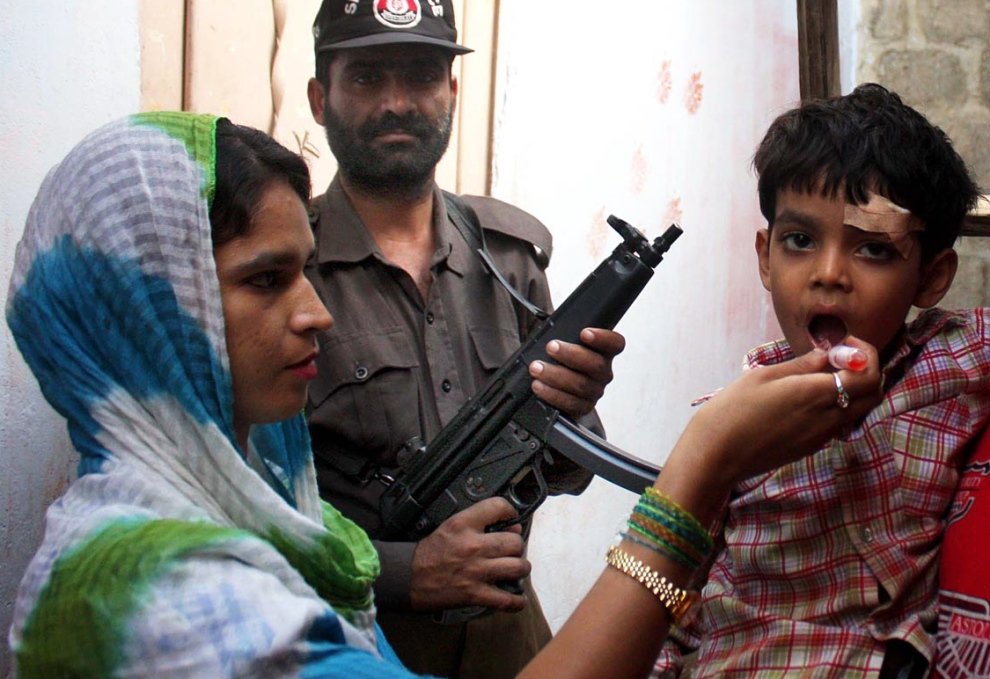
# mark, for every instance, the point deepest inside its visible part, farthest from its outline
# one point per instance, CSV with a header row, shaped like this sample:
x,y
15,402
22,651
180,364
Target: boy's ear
x,y
763,253
936,277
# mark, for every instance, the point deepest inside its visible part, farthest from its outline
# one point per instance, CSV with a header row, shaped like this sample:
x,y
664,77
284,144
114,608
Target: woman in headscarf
x,y
158,295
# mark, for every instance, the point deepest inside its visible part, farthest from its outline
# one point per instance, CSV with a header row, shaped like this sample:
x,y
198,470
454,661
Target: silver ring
x,y
842,397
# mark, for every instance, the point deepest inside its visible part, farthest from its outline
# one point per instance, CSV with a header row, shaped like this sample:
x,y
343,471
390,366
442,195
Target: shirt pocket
x,y
493,345
365,396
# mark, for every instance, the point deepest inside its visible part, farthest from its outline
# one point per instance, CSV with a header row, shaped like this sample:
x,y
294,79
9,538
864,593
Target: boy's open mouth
x,y
826,331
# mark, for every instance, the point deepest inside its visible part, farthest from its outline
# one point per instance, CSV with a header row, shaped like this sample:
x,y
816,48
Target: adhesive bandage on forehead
x,y
881,215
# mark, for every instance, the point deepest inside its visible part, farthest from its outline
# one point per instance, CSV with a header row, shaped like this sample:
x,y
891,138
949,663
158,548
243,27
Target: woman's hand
x,y
767,418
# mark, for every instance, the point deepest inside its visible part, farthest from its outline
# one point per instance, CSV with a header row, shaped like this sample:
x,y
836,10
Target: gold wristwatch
x,y
680,603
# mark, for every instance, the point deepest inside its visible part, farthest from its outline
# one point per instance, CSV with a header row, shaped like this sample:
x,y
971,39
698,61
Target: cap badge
x,y
398,13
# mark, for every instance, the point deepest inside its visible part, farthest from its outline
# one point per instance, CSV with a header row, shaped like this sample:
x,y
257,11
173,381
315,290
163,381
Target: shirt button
x,y
361,373
429,317
866,534
446,386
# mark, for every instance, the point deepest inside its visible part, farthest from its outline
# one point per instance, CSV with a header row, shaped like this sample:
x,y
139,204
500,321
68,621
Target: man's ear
x,y
453,93
936,277
763,254
317,99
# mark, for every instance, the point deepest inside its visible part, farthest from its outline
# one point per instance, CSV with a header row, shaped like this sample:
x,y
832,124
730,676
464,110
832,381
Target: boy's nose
x,y
831,269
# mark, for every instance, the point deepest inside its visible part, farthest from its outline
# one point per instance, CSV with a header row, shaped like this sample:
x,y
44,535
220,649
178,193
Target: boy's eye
x,y
877,250
796,241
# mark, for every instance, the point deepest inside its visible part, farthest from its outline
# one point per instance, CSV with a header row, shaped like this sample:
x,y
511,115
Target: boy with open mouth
x,y
829,564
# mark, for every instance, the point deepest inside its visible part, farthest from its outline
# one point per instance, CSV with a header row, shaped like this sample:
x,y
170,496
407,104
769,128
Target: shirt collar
x,y
343,237
916,334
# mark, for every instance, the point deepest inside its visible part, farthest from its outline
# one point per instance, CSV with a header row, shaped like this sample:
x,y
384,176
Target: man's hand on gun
x,y
459,564
577,380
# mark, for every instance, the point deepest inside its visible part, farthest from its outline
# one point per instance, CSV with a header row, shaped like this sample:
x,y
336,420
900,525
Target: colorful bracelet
x,y
663,537
632,535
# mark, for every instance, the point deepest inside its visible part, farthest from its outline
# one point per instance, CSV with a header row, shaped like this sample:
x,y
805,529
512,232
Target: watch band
x,y
678,602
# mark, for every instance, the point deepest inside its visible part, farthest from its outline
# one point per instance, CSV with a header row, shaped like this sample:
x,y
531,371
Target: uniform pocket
x,y
493,345
365,397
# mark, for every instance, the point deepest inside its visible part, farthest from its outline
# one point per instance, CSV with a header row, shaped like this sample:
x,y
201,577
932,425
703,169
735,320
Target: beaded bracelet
x,y
662,550
701,542
660,534
652,497
666,528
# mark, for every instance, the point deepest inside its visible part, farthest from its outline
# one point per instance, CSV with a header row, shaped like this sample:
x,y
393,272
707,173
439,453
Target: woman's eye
x,y
877,250
796,240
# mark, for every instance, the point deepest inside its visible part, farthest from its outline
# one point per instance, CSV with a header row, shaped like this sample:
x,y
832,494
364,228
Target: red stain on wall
x,y
665,82
673,214
598,234
694,93
639,169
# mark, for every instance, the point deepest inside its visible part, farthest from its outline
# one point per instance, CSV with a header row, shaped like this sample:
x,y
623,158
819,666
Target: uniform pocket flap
x,y
493,345
354,359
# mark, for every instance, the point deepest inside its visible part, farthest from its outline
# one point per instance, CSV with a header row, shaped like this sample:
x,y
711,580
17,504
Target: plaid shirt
x,y
828,557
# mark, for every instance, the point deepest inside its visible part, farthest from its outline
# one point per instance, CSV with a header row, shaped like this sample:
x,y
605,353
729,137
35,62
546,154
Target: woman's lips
x,y
305,369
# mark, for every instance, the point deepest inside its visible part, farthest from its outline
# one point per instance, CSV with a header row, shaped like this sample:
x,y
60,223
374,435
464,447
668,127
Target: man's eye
x,y
367,78
796,240
266,280
423,76
876,250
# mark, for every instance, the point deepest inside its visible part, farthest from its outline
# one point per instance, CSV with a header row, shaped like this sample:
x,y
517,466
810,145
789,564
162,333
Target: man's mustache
x,y
411,123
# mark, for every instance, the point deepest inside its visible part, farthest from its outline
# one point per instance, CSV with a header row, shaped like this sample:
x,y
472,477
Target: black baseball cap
x,y
343,24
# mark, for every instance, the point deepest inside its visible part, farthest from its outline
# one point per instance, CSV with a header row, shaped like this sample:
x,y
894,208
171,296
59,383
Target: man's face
x,y
388,115
828,278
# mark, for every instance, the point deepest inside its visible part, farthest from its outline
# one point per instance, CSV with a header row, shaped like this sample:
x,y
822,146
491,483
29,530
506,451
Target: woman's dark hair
x,y
868,140
248,161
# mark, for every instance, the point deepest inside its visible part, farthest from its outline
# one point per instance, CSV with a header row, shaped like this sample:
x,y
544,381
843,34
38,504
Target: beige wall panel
x,y
478,21
229,51
162,35
292,68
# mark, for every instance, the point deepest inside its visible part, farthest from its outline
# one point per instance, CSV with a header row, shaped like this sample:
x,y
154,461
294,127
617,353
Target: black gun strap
x,y
466,221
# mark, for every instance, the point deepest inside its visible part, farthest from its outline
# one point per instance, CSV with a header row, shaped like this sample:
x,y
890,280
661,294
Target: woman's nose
x,y
311,314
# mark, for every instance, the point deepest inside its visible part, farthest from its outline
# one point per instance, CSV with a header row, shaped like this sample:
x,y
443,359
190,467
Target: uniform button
x,y
866,533
429,317
361,373
446,386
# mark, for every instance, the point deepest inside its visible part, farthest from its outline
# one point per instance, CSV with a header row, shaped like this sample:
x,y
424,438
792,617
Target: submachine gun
x,y
499,441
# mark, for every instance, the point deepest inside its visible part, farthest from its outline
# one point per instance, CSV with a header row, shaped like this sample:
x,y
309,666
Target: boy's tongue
x,y
827,331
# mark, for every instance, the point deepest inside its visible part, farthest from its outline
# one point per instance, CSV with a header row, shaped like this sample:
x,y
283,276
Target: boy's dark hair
x,y
247,163
868,141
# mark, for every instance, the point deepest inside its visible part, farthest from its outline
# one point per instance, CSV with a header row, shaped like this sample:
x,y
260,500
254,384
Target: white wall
x,y
593,118
67,67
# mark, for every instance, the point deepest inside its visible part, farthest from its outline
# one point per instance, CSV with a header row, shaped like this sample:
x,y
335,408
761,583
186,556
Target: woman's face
x,y
272,313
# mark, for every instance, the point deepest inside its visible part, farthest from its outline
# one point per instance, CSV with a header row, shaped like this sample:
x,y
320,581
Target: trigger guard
x,y
525,510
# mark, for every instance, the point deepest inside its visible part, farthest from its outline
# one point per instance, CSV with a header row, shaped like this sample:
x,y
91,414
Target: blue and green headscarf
x,y
175,553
